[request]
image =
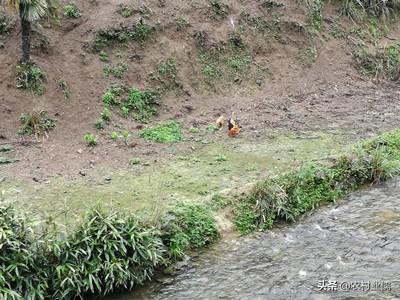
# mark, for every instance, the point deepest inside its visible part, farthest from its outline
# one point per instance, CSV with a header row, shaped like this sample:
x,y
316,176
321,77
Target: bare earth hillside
x,y
262,60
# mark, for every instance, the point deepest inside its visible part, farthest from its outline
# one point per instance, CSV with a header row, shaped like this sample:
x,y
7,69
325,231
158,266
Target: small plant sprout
x,y
99,124
134,161
194,130
106,114
103,56
220,158
90,139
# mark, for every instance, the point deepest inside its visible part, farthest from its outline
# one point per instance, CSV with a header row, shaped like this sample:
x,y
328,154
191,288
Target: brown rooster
x,y
233,127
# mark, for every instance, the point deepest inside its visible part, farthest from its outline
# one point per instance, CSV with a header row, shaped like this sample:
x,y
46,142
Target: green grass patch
x,y
168,132
6,160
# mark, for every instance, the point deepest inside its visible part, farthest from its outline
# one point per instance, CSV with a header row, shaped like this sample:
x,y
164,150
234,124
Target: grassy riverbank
x,y
111,251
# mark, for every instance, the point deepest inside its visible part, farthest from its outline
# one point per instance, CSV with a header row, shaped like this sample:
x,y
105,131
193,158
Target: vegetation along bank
x,y
110,251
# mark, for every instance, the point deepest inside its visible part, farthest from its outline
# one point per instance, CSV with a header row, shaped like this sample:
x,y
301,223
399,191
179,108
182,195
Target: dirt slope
x,y
296,81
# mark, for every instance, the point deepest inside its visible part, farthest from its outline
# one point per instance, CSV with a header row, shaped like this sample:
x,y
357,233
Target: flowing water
x,y
349,250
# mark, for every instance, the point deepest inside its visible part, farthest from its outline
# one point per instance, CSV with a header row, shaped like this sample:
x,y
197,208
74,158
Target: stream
x,y
347,250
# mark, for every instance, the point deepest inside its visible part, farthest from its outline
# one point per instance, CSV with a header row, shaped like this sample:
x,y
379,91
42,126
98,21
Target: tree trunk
x,y
26,37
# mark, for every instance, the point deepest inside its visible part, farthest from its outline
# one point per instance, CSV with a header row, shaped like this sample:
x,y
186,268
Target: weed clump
x,y
384,63
36,123
218,8
315,8
139,32
187,227
169,132
112,95
356,9
71,11
7,24
290,195
165,75
90,139
230,59
117,71
261,25
30,77
181,24
125,11
63,87
143,103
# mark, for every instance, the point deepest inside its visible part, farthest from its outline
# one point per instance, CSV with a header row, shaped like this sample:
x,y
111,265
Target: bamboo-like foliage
x,y
107,252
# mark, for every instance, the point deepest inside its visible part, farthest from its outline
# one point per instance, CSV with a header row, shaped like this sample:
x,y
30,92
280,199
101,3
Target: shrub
x,y
30,77
22,271
188,226
106,253
169,132
71,11
36,123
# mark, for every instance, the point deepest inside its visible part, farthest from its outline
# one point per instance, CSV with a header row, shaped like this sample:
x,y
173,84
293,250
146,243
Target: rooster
x,y
233,127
